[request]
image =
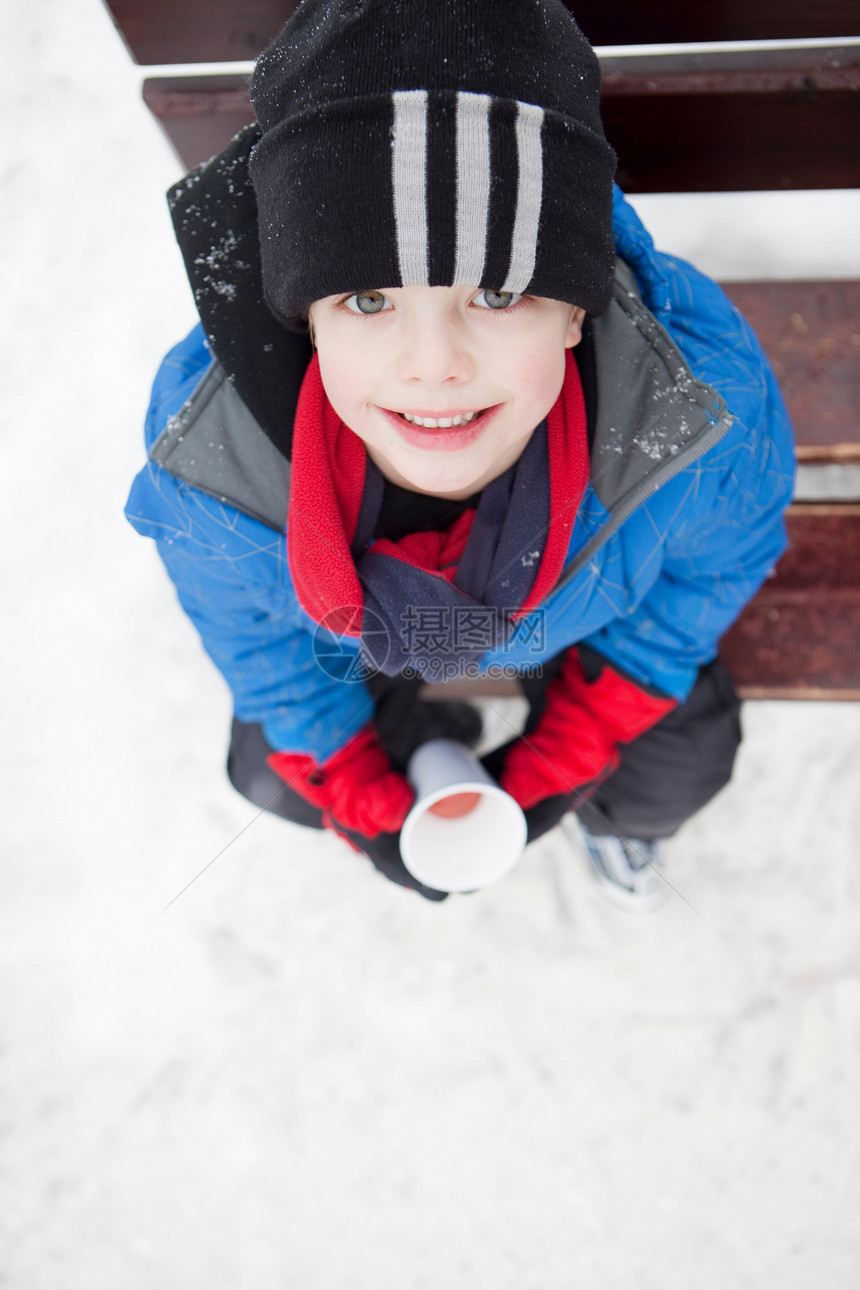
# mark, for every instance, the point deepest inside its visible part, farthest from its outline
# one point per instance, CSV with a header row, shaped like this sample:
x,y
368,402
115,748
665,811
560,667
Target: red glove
x,y
355,788
575,740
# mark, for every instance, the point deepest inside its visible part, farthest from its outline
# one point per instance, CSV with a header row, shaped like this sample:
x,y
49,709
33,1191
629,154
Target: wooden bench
x,y
762,118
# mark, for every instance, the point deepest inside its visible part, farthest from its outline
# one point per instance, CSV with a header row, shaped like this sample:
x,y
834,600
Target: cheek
x,y
541,373
345,381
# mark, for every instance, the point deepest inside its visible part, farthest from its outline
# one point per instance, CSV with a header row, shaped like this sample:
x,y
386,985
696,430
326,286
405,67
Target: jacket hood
x,y
214,212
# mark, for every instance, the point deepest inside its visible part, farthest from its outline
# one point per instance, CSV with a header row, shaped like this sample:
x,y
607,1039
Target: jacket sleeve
x,y
718,530
232,578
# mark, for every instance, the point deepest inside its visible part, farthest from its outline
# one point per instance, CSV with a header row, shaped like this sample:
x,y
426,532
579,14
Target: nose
x,y
433,350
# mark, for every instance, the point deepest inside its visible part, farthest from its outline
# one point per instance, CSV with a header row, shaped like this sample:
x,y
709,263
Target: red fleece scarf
x,y
327,483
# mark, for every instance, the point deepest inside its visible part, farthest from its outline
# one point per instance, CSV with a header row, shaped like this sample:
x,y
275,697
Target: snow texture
x,y
299,1077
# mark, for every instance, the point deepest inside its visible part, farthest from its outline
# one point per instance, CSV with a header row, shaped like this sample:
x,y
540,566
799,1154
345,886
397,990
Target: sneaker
x,y
628,871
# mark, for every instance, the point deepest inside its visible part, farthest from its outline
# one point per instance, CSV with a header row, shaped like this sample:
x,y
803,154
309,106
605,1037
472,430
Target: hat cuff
x,y
520,200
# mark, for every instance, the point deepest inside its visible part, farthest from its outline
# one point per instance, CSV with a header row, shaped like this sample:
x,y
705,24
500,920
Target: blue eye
x,y
367,302
496,299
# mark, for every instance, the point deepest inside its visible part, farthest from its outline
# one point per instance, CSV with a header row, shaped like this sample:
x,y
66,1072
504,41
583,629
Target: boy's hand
x,y
362,800
356,785
576,740
384,853
404,721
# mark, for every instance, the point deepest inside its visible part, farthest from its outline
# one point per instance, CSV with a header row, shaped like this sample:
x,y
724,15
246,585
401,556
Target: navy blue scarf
x,y
435,626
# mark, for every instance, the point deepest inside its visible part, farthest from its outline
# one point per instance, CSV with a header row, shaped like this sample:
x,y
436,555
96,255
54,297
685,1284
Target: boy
x,y
521,442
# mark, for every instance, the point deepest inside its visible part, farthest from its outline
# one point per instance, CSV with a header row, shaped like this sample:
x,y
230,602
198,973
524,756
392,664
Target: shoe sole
x,y
656,894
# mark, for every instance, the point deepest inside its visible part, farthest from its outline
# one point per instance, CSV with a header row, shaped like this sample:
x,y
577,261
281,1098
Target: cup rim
x,y
420,808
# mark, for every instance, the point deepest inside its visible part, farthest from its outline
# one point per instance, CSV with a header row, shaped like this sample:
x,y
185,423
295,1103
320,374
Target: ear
x,y
574,330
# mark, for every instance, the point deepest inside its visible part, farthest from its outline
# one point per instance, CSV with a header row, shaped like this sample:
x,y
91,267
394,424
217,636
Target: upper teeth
x,y
435,423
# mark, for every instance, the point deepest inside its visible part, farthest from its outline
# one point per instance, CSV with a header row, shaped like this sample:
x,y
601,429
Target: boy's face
x,y
496,362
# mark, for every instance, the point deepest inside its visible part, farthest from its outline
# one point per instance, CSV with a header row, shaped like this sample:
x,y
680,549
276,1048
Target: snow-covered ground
x,y
299,1077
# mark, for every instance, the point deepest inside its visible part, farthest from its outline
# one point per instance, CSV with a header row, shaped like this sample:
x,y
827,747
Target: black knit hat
x,y
432,142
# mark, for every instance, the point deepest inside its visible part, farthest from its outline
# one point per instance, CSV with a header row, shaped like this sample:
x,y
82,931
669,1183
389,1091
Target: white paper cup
x,y
471,850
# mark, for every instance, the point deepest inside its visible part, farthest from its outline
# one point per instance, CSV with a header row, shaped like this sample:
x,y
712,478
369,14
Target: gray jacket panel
x,y
216,445
651,408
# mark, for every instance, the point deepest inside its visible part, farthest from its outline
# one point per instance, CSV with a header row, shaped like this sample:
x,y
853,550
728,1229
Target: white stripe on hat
x,y
473,186
409,180
529,197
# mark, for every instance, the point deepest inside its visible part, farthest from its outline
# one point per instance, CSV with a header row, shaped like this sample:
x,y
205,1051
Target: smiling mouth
x,y
442,423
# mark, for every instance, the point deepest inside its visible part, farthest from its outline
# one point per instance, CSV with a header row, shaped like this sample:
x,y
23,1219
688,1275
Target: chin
x,y
464,485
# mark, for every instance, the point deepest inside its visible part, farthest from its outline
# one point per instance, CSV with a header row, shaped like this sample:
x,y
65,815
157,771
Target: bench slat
x,y
657,22
213,31
199,114
773,120
753,119
198,31
800,636
811,334
731,71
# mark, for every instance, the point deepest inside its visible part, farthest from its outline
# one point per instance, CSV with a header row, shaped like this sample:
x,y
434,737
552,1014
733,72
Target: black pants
x,y
663,777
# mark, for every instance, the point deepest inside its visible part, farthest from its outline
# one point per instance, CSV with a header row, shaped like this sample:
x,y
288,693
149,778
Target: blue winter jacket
x,y
692,469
